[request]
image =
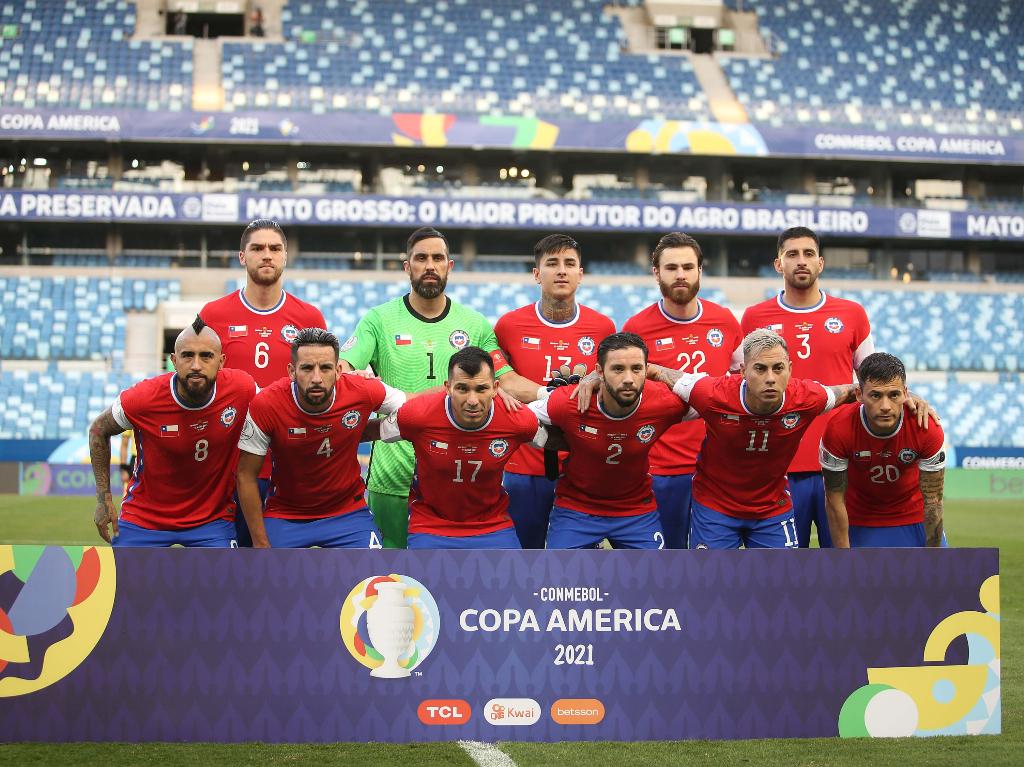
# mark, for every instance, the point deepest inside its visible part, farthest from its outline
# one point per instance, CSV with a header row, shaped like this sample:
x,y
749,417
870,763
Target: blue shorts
x,y
710,529
499,539
355,530
219,534
241,527
898,537
807,489
575,530
672,492
530,500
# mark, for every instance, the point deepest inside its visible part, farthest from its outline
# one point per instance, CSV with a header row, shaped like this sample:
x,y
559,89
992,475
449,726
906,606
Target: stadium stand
x,y
885,65
78,54
73,318
505,57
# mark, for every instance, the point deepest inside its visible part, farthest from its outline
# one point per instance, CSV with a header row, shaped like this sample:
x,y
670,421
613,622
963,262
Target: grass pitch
x,y
969,524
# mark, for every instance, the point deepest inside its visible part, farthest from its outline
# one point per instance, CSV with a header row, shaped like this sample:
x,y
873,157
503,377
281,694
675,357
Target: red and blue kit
x,y
883,472
456,489
186,456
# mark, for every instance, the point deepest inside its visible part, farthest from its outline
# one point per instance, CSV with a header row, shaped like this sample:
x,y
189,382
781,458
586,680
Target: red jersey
x,y
883,479
741,470
826,343
186,457
316,471
259,341
536,348
456,488
704,343
607,471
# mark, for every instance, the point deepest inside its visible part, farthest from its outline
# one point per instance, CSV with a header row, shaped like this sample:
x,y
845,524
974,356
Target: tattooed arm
x,y
931,484
844,393
835,507
100,432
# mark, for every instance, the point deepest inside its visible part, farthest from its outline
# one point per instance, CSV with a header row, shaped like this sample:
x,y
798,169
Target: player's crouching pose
x,y
883,471
462,441
311,422
754,425
606,490
186,428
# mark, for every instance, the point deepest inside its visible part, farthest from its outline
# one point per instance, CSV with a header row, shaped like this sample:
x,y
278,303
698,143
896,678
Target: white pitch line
x,y
486,754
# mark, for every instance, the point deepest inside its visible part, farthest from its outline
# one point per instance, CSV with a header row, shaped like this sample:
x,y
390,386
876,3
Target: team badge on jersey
x,y
348,344
907,455
351,419
227,416
834,325
716,337
459,339
289,333
498,447
790,420
645,433
586,346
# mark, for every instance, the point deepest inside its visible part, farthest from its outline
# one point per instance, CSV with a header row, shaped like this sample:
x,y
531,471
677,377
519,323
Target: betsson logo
x,y
512,712
577,711
440,711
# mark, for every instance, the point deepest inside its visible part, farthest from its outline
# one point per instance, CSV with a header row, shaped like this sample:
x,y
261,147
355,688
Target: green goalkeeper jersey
x,y
411,352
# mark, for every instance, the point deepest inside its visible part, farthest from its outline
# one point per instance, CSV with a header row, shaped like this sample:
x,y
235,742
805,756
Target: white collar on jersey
x,y
679,320
867,426
182,405
271,310
801,309
608,415
550,324
743,403
295,399
453,422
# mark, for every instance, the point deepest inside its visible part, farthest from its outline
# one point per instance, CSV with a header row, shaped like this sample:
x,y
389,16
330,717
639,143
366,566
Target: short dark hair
x,y
795,232
470,361
198,324
555,243
676,240
258,224
881,368
617,341
314,337
425,233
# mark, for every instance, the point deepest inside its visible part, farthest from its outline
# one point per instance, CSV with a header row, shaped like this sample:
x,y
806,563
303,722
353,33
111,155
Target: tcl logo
x,y
444,712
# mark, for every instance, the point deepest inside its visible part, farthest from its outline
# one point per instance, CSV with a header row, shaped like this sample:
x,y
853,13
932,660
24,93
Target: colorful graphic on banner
x,y
936,700
390,622
55,603
220,645
63,479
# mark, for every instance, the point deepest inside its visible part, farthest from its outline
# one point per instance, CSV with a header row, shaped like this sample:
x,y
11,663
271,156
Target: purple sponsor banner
x,y
643,135
289,646
63,479
476,213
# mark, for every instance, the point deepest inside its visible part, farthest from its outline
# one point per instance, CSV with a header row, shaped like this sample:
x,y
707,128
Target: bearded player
x,y
311,422
540,340
605,490
883,472
408,342
692,335
462,441
258,323
186,426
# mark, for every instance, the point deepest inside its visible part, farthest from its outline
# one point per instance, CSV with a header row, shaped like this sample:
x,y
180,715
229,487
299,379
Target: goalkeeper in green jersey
x,y
407,341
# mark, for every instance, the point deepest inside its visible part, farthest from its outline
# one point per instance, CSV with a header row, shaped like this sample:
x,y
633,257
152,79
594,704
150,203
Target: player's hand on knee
x,y
106,517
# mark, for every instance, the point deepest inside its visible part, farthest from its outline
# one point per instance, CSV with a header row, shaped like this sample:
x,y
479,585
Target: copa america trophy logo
x,y
390,623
